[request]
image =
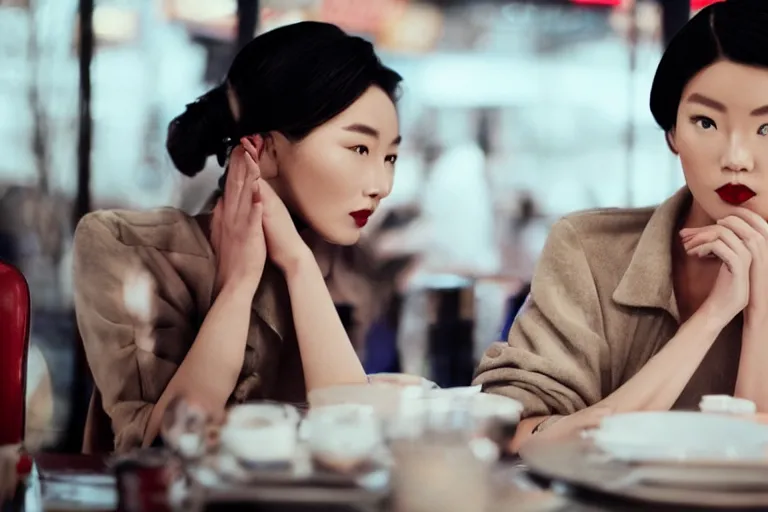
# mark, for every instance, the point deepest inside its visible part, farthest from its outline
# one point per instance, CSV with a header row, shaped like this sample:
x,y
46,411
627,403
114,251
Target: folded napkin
x,y
726,404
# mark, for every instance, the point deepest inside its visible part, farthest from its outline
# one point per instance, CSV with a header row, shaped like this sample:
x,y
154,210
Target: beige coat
x,y
143,285
602,303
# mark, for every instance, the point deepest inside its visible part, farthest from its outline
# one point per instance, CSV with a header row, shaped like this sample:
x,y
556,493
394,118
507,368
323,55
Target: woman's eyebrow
x,y
370,131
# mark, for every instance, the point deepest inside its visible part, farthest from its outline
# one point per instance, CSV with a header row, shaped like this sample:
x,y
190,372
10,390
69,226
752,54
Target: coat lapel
x,y
647,282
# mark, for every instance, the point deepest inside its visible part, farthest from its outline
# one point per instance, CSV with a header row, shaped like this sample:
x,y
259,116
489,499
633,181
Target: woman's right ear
x,y
268,161
670,136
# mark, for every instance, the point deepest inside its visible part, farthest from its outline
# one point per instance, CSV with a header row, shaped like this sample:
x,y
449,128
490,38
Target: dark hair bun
x,y
201,131
289,80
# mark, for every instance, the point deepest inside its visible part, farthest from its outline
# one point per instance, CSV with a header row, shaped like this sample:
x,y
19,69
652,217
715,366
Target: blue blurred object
x,y
9,248
381,355
514,305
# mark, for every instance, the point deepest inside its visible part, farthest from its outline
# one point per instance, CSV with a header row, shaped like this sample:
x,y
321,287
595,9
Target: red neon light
x,y
695,4
700,4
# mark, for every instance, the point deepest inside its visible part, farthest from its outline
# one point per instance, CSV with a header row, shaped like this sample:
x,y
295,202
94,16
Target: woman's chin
x,y
342,236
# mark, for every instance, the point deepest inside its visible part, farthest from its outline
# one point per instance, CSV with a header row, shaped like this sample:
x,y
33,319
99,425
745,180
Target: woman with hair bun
x,y
233,304
652,308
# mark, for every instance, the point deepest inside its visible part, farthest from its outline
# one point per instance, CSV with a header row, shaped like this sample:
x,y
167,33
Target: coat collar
x,y
648,282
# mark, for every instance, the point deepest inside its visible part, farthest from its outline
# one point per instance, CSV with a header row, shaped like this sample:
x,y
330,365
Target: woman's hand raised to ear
x,y
285,246
237,235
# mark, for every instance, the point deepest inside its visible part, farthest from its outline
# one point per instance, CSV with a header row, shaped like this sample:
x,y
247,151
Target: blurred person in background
x,y
650,309
234,304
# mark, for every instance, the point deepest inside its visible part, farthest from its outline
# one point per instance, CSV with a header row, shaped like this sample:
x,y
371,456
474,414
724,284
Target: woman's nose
x,y
737,157
380,184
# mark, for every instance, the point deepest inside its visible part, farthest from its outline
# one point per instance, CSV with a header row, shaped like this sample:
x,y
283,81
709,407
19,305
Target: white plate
x,y
681,436
485,405
385,399
458,392
401,379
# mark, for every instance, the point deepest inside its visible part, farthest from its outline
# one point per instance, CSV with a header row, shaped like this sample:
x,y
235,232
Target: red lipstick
x,y
735,194
361,217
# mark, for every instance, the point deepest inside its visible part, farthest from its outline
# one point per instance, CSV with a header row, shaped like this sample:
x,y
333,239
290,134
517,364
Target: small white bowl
x,y
344,435
261,433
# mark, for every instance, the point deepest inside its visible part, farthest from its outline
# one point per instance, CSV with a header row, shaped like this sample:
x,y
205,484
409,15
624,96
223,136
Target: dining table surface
x,y
556,475
76,482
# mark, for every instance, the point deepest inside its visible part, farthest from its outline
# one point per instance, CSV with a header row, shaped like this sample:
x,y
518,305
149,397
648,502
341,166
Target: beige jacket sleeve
x,y
133,339
556,348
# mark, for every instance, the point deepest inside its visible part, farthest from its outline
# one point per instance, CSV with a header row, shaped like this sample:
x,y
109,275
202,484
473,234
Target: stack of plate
x,y
680,458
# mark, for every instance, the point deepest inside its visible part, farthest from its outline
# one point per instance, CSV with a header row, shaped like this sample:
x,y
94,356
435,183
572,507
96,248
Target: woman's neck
x,y
298,221
696,217
693,277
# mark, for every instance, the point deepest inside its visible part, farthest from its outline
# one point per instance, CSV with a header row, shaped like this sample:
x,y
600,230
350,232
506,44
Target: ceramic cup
x,y
261,433
342,436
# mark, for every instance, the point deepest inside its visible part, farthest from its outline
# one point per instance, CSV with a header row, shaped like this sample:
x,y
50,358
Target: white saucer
x,y
682,437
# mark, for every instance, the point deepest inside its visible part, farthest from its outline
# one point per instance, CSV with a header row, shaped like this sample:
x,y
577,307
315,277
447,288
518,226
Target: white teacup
x,y
342,436
261,433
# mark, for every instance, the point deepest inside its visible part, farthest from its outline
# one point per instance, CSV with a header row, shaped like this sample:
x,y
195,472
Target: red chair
x,y
14,345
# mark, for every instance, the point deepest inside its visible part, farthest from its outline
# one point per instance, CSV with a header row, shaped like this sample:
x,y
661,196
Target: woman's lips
x,y
361,217
735,194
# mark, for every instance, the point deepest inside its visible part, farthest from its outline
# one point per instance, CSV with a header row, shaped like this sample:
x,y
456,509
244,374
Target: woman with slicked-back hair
x,y
233,304
650,309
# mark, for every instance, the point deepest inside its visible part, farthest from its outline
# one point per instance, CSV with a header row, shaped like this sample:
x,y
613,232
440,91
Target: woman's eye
x,y
763,130
360,150
391,159
704,122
